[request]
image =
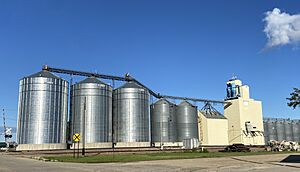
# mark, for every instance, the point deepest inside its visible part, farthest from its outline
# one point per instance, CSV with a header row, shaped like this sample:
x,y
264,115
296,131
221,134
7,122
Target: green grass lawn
x,y
131,157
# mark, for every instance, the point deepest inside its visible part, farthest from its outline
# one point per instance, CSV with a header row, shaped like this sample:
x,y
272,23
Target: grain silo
x,y
288,130
163,121
187,121
131,115
42,118
296,130
280,132
271,127
266,130
92,111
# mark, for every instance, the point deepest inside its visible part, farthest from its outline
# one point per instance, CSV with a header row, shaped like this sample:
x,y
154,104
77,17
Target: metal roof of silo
x,y
185,103
130,85
91,80
45,74
163,100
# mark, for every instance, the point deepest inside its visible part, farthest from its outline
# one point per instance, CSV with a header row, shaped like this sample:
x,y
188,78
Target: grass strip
x,y
133,157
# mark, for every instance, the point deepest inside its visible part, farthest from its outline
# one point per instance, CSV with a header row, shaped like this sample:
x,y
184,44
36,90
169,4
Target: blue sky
x,y
185,48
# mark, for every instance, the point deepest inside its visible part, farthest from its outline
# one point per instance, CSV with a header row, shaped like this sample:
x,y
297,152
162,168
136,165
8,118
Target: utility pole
x,y
4,125
71,125
83,128
112,125
161,132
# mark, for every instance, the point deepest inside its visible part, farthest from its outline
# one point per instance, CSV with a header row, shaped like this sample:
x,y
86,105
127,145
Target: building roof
x,y
212,114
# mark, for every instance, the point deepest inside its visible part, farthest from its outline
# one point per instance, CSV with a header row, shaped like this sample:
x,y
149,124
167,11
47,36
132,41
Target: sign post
x,y
76,139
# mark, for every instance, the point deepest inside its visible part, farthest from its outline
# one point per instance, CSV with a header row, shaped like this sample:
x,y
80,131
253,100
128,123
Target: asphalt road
x,y
262,163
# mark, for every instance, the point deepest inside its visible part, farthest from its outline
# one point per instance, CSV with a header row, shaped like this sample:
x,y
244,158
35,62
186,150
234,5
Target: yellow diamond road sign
x,y
76,137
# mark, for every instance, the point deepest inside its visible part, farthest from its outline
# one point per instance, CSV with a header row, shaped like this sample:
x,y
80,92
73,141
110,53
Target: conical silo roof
x,y
91,80
162,101
44,74
185,103
130,84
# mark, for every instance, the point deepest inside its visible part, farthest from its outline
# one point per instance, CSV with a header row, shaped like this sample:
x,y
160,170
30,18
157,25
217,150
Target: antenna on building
x,y
234,77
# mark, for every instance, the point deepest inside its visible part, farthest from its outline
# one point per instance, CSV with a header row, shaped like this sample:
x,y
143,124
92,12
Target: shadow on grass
x,y
291,159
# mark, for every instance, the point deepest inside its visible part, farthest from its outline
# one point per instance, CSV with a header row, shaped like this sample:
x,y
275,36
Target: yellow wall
x,y
245,92
213,131
240,111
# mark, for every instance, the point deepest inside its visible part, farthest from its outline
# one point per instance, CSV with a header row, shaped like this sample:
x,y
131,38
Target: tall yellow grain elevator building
x,y
245,120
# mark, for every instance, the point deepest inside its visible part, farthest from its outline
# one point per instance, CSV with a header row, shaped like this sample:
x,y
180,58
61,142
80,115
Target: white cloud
x,y
281,28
